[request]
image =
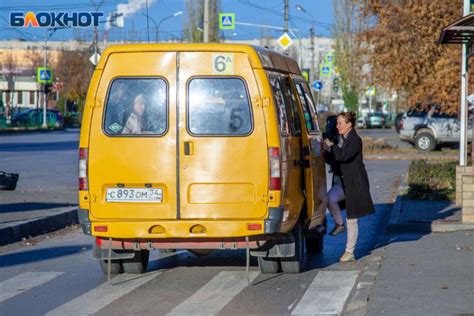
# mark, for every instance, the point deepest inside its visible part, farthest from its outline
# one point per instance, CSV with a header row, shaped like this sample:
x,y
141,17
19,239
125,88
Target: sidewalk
x,y
427,257
26,214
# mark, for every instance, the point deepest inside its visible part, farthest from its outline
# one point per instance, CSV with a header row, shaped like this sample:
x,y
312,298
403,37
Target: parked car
x,y
398,121
375,119
360,123
34,117
426,131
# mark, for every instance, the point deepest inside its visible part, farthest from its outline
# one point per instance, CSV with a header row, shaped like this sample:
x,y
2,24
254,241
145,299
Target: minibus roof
x,y
260,57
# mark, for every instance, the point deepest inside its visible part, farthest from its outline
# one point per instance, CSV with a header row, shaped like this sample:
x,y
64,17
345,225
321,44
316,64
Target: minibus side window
x,y
308,113
280,106
218,106
293,110
136,106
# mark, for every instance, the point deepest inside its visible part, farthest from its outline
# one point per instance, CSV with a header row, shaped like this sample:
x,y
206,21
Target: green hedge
x,y
432,180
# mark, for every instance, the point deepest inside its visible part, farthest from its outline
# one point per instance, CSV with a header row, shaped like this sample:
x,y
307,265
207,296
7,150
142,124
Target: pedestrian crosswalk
x,y
213,296
96,299
327,293
24,282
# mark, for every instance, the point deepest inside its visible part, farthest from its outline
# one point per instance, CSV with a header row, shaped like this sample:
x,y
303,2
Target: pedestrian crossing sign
x,y
44,75
226,21
324,70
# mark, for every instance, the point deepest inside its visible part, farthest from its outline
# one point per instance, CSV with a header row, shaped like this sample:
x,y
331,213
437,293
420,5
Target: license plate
x,y
134,195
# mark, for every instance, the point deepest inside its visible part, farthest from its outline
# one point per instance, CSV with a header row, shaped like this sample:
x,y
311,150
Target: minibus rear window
x,y
136,106
218,106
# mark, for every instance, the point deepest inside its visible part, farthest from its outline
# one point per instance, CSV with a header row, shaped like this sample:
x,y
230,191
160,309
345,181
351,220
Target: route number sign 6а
x,y
222,64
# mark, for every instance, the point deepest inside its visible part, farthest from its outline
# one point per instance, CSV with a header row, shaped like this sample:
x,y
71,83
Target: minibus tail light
x,y
275,168
83,157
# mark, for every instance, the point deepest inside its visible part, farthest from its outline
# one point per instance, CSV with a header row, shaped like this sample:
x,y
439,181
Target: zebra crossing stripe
x,y
327,294
91,302
24,282
213,296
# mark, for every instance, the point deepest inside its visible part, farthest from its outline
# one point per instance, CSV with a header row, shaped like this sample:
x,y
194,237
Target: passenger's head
x,y
345,122
139,104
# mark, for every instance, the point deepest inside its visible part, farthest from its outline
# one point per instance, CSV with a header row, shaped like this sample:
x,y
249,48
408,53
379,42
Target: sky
x,y
261,12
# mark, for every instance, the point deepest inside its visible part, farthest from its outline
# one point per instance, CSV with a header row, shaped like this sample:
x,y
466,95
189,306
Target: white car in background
x,y
426,131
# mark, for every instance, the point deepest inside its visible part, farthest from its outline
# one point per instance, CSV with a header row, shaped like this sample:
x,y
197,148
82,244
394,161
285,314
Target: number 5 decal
x,y
223,64
236,120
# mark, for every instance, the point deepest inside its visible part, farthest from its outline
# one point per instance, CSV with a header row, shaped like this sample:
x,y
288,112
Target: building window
x,y
32,97
19,98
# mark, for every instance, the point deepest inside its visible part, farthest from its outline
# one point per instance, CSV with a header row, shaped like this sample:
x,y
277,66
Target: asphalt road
x,y
57,275
46,162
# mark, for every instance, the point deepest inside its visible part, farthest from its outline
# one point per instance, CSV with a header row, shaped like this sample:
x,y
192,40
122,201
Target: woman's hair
x,y
349,117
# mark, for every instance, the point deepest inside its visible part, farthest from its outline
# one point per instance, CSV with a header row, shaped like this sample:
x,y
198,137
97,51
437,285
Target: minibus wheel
x,y
268,265
293,264
138,263
115,266
314,244
200,252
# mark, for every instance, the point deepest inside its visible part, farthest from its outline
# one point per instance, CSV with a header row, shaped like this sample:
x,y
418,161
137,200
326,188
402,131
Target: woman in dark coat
x,y
350,181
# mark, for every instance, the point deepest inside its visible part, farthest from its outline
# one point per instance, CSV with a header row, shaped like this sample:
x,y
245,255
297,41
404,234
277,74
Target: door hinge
x,y
98,102
95,103
262,102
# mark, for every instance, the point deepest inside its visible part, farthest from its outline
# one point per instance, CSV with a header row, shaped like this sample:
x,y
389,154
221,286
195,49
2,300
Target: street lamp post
x,y
311,30
156,27
162,20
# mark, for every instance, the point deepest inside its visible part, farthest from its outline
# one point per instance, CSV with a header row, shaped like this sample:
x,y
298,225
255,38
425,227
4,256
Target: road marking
x,y
24,282
327,294
91,302
213,296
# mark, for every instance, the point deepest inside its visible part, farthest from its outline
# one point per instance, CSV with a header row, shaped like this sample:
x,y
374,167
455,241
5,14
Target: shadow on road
x,y
30,207
51,146
35,255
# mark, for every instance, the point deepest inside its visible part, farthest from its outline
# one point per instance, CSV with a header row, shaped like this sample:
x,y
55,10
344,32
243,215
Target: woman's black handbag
x,y
8,180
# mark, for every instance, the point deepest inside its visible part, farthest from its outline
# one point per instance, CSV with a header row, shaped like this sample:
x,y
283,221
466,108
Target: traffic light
x,y
335,85
47,87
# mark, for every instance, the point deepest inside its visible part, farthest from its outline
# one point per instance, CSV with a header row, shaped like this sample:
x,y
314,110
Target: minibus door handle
x,y
305,150
188,148
304,163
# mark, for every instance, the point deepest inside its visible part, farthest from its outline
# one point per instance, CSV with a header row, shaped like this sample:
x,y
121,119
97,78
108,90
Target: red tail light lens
x,y
83,157
275,168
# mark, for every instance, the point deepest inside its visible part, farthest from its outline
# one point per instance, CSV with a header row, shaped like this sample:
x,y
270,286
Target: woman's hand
x,y
327,144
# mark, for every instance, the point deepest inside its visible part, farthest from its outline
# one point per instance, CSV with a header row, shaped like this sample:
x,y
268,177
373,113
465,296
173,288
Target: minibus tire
x,y
167,250
115,266
138,264
293,264
268,265
314,245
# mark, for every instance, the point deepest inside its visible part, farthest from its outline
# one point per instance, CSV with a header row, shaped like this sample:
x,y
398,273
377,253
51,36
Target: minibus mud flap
x,y
103,253
280,246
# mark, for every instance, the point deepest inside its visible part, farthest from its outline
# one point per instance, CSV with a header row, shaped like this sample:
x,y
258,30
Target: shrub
x,y
432,180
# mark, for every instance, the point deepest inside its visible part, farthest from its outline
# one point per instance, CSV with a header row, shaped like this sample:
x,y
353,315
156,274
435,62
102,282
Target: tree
x,y
399,42
75,70
194,27
9,68
345,60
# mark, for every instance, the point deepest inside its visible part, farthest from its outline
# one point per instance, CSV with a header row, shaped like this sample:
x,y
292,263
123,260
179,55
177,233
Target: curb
x,y
38,226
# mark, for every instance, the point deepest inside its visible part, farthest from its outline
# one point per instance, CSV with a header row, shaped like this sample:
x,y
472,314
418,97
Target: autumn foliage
x,y
399,41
